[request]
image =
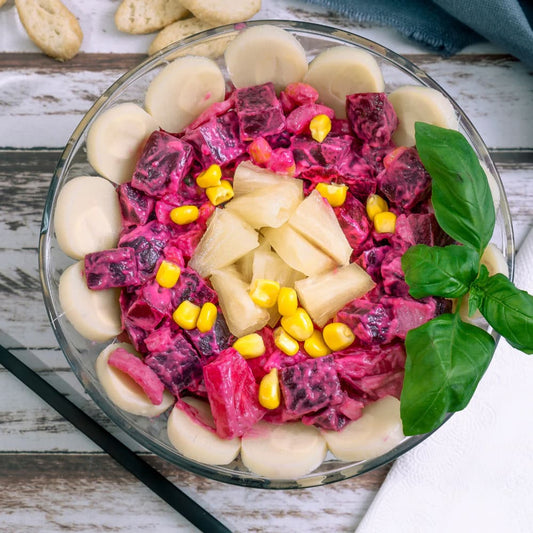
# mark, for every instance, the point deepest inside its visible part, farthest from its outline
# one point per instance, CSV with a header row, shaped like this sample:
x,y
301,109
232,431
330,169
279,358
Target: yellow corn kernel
x,y
385,222
315,345
209,177
207,317
287,301
167,274
338,336
186,315
375,204
285,342
184,214
334,194
264,292
320,126
300,326
250,346
220,193
269,393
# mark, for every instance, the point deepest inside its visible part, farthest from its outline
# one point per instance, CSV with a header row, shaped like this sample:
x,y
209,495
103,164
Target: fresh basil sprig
x,y
446,357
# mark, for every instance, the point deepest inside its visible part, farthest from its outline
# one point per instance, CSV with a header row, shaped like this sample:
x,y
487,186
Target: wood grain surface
x,y
52,478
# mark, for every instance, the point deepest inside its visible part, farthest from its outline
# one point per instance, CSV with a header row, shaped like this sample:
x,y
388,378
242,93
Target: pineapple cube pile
x,y
270,231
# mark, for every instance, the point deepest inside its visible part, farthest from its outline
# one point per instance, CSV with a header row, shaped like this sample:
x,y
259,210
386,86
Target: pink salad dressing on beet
x,y
272,131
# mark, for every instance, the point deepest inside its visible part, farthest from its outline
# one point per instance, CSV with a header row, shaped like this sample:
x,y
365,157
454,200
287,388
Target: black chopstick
x,y
155,481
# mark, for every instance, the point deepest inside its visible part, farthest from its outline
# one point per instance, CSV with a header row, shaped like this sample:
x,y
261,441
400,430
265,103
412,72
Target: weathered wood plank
x,y
496,95
87,493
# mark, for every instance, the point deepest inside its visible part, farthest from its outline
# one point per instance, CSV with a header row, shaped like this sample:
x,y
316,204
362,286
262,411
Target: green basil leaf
x,y
435,271
461,195
507,309
446,358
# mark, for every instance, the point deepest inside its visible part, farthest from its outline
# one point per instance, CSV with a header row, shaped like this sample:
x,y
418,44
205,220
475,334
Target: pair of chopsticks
x,y
155,481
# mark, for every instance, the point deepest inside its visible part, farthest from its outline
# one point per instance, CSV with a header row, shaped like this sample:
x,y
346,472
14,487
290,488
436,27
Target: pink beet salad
x,y
273,132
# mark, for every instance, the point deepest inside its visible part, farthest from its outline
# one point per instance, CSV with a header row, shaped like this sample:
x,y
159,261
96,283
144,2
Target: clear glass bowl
x,y
81,353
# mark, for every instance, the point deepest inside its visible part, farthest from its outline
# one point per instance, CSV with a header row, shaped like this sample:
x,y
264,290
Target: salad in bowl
x,y
264,251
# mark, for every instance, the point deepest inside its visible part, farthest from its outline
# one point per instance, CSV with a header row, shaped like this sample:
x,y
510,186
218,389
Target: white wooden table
x,y
52,478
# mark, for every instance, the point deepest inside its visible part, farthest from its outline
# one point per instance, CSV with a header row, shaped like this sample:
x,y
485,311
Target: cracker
x,y
218,12
176,32
51,26
147,16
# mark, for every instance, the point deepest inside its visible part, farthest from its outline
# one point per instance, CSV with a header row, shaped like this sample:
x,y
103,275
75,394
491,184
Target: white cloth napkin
x,y
476,472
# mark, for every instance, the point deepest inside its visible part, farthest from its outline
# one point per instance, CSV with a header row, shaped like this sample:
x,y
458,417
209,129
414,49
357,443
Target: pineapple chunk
x,y
249,178
315,219
297,251
323,295
226,239
269,265
242,315
245,264
269,206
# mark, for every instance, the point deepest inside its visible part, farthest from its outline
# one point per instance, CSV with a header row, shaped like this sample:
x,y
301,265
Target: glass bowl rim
x,y
227,475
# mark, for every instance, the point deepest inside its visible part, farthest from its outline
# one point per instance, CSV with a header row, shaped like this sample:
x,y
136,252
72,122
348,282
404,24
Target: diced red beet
x,y
141,373
188,241
310,154
357,174
192,287
375,155
299,119
369,321
405,182
328,418
174,255
164,162
135,206
310,386
111,268
148,242
371,117
417,228
409,313
354,222
233,394
212,342
138,314
371,259
392,274
279,140
217,141
174,360
297,94
259,111
157,297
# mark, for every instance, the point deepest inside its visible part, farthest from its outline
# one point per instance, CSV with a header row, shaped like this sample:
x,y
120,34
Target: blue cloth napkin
x,y
447,26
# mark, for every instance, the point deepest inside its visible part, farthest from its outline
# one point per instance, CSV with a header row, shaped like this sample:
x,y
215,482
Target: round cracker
x,y
51,26
176,32
218,12
141,16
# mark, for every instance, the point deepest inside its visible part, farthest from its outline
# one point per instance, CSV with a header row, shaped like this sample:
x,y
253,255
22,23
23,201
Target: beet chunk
x,y
233,394
111,268
217,140
148,242
310,386
192,287
393,275
371,117
405,182
259,111
138,317
357,174
417,228
164,162
372,259
310,154
212,342
354,223
370,322
409,313
174,360
135,206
